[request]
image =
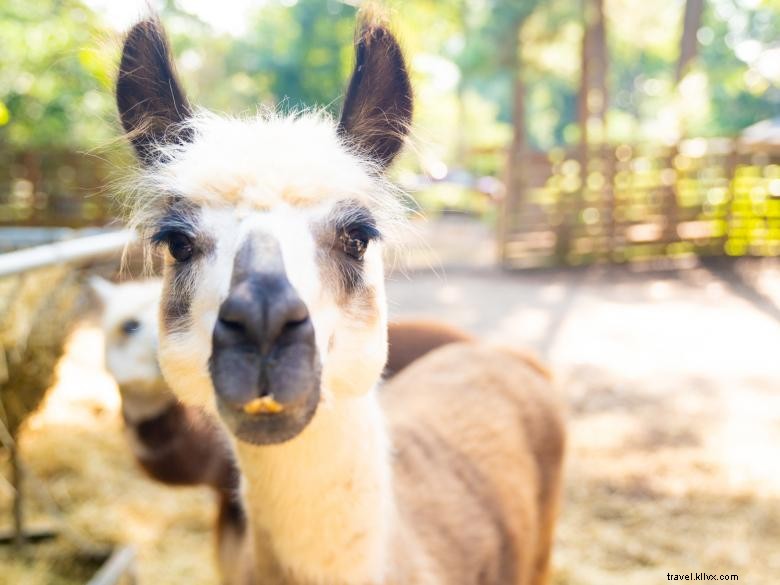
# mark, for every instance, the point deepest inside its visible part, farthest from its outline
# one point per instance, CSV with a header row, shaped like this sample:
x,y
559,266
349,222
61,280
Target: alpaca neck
x,y
323,501
143,401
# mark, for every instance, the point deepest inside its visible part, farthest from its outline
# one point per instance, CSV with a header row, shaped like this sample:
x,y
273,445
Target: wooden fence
x,y
639,202
633,202
54,188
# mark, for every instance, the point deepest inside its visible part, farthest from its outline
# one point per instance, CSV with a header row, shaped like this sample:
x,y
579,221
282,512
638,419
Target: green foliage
x,y
301,53
58,60
738,95
55,77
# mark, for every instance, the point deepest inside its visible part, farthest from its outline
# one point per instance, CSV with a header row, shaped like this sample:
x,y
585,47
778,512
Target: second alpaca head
x,y
128,319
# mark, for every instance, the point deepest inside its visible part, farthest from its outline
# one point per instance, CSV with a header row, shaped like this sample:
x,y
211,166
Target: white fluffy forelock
x,y
256,162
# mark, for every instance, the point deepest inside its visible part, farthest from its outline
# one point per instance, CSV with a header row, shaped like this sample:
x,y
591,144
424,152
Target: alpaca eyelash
x,y
362,231
172,225
163,236
358,222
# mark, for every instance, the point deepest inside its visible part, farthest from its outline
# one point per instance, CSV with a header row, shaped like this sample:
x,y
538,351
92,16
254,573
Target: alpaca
x,y
274,317
174,444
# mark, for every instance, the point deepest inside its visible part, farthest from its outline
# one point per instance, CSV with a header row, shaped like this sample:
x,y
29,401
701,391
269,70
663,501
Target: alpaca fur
x,y
450,474
410,339
487,446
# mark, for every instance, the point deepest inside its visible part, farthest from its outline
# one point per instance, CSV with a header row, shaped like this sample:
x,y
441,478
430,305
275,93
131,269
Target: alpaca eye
x,y
180,247
130,326
354,243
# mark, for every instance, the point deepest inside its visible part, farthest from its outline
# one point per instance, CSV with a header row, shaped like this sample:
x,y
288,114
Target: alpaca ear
x,y
377,109
101,288
150,99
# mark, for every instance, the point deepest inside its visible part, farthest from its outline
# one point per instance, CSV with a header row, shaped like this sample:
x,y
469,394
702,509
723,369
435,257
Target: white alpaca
x,y
274,316
174,444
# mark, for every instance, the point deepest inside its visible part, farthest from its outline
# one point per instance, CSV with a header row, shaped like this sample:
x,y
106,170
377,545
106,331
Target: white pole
x,y
67,252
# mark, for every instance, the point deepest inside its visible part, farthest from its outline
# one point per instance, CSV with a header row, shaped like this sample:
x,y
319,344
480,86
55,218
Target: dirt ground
x,y
672,377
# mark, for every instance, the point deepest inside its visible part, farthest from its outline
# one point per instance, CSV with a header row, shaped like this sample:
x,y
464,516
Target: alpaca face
x,y
273,281
271,230
129,324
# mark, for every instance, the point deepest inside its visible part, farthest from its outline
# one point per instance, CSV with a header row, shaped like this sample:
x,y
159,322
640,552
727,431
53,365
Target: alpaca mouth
x,y
268,428
265,400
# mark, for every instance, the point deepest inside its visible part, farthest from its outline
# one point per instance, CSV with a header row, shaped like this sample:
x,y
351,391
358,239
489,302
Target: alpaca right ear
x,y
101,288
150,99
377,109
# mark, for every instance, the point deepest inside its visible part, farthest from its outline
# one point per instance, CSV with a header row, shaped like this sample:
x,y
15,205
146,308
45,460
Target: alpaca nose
x,y
263,309
263,345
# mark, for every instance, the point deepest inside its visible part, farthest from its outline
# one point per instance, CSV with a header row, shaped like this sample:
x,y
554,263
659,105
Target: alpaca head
x,y
129,323
271,229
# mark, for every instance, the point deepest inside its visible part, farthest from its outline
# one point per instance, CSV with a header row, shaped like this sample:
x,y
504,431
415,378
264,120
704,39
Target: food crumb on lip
x,y
263,405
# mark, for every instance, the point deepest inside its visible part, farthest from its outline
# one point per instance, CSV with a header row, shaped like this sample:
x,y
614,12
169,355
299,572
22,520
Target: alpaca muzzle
x,y
264,365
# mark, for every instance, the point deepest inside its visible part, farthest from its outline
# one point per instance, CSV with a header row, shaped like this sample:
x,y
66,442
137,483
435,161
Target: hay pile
x,y
74,444
38,311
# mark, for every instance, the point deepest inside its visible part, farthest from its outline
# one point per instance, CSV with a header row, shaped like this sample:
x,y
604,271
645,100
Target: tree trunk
x,y
593,101
688,42
591,113
518,103
515,183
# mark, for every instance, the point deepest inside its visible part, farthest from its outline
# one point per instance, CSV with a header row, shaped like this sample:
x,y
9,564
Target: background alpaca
x,y
274,288
173,443
410,339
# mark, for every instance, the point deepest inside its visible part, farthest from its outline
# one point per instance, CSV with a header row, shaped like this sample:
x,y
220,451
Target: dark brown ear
x,y
149,96
378,107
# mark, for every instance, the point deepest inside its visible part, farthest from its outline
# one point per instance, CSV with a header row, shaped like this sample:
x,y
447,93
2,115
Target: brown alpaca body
x,y
481,428
409,340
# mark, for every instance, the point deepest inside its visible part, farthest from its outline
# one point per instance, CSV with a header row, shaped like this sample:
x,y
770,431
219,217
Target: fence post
x,y
609,157
671,201
732,162
17,477
505,209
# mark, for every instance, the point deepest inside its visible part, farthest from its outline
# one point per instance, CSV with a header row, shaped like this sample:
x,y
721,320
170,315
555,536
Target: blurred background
x,y
597,180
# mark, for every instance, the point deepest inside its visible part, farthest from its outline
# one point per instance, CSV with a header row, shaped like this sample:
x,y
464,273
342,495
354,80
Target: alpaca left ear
x,y
150,99
377,109
102,289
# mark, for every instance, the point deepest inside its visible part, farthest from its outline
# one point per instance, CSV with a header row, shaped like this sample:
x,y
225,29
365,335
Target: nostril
x,y
295,323
233,316
232,325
